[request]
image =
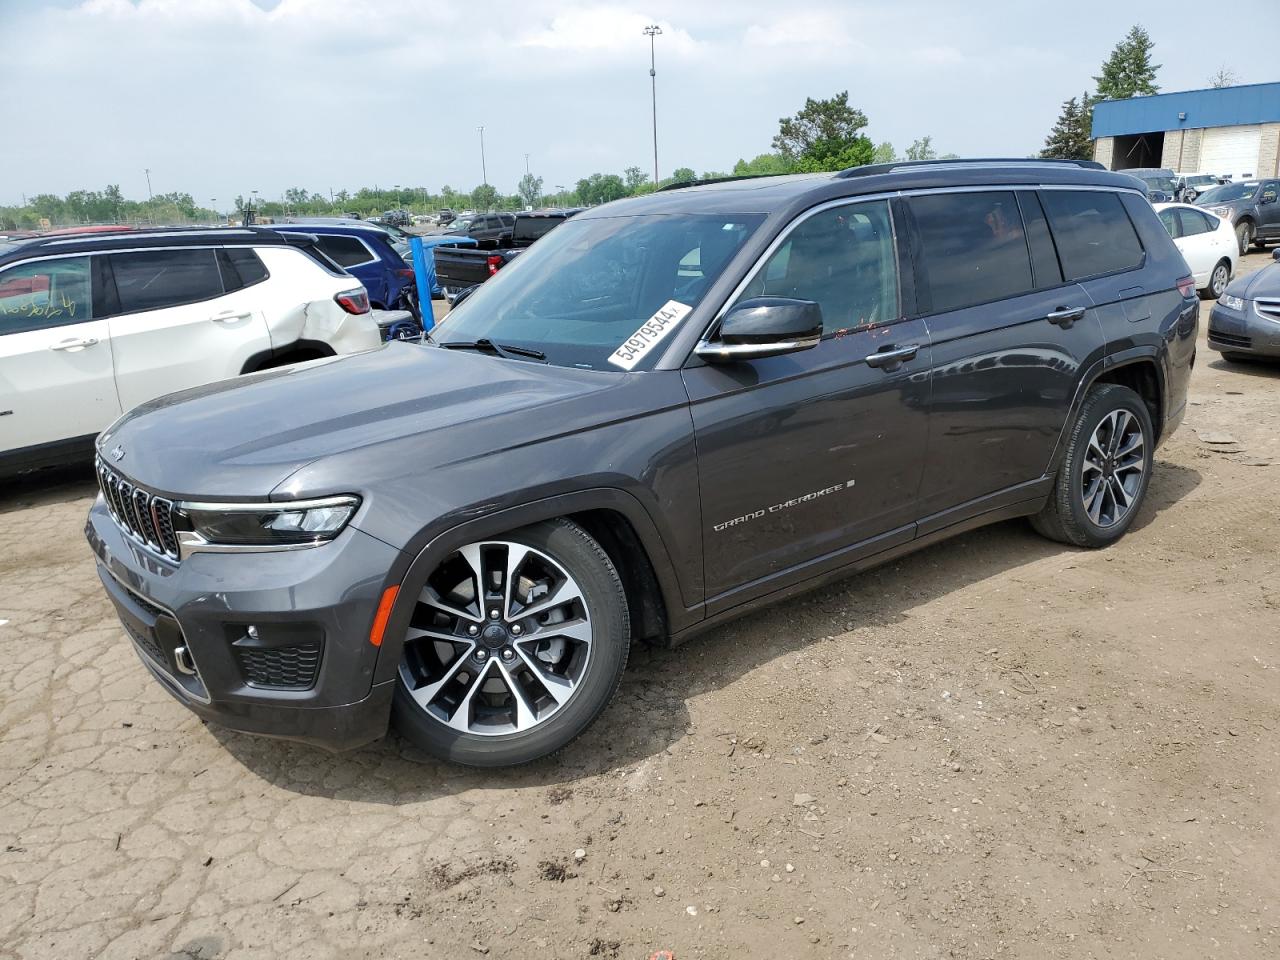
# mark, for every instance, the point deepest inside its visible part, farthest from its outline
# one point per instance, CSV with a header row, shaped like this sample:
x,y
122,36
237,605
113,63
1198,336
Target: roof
x,y
798,191
336,229
1189,109
134,239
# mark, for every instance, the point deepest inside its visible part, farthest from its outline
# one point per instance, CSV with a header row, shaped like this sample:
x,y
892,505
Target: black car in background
x,y
671,410
1161,184
460,268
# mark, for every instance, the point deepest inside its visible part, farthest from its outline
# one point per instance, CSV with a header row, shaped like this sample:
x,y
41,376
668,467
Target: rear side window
x,y
1093,233
240,268
345,251
152,279
1194,222
45,293
974,248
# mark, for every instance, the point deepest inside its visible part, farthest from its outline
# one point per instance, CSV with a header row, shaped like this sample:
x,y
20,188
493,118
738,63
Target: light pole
x,y
213,202
484,172
652,31
147,171
560,193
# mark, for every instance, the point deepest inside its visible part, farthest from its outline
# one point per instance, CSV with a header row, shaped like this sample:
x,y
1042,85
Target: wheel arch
x,y
295,352
613,517
1140,370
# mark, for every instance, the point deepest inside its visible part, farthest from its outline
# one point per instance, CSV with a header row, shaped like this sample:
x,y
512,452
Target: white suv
x,y
93,325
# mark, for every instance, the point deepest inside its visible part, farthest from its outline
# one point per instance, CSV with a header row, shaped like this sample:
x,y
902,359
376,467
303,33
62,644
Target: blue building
x,y
1228,131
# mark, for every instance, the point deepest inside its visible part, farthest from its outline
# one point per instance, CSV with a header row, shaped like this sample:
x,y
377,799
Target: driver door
x,y
811,460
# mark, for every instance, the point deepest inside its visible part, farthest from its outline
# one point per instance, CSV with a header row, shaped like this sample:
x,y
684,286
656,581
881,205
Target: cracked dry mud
x,y
1010,749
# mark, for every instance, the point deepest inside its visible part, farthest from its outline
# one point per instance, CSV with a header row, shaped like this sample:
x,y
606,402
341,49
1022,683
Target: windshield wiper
x,y
501,349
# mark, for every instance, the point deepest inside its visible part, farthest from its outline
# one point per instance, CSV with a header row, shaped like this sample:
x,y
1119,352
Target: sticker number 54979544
x,y
650,334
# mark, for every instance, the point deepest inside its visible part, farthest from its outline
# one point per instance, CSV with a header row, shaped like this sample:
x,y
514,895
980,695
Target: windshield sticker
x,y
650,334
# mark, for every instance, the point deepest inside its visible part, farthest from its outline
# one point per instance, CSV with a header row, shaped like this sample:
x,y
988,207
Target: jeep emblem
x,y
117,453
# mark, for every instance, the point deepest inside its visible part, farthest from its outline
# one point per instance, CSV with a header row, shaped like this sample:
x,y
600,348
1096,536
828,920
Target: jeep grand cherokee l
x,y
672,409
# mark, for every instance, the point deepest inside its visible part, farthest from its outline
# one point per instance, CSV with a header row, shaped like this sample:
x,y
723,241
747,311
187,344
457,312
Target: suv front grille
x,y
285,668
1268,307
141,514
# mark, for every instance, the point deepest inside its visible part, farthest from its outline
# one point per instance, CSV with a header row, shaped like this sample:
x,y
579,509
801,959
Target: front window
x,y
591,286
1228,192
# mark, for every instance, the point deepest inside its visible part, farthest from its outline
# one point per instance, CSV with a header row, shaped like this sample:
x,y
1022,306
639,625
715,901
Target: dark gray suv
x,y
671,410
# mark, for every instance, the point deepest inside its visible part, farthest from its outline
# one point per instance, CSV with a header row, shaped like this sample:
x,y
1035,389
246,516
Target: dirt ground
x,y
997,747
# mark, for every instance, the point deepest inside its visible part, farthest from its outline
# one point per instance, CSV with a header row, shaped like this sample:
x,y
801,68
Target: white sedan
x,y
1207,243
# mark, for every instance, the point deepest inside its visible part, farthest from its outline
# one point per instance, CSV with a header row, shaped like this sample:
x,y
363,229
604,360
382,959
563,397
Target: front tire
x,y
516,645
1104,476
1244,236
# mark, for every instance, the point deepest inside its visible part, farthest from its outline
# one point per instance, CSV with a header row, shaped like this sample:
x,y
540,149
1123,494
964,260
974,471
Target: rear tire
x,y
516,645
1218,281
1104,475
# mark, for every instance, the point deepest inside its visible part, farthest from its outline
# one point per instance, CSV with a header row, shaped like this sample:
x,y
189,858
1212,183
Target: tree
x,y
685,174
764,165
530,189
1224,76
1129,71
484,196
826,126
827,155
922,149
883,153
634,178
1072,136
601,188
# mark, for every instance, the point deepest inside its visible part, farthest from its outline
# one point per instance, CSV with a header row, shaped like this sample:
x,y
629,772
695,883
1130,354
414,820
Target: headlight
x,y
303,523
1230,302
1224,212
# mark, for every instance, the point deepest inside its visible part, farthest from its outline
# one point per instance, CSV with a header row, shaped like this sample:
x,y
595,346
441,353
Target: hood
x,y
244,437
1261,283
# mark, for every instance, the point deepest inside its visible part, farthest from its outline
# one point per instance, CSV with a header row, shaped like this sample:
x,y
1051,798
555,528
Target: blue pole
x,y
424,276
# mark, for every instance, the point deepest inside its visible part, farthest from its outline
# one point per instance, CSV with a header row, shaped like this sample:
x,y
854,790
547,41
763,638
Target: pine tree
x,y
1129,71
1071,137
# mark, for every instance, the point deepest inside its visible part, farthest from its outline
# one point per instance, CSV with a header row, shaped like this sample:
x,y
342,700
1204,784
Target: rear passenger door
x,y
1269,210
177,323
1009,340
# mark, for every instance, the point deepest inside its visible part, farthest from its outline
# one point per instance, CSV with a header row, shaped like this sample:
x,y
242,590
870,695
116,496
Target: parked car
x,y
490,228
1188,186
396,218
668,412
92,326
1159,182
1245,322
1206,242
459,268
367,254
445,217
1251,208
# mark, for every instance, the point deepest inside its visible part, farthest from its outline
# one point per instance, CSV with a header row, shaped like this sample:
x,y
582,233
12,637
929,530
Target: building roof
x,y
1189,109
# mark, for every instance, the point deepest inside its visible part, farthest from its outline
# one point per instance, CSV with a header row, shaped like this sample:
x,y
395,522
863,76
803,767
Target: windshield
x,y
1157,182
460,225
1200,181
591,287
1227,192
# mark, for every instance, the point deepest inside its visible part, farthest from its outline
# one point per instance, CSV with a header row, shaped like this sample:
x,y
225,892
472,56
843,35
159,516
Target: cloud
x,y
605,30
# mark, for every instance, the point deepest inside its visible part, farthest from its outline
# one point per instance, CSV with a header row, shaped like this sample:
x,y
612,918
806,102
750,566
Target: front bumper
x,y
305,671
1243,332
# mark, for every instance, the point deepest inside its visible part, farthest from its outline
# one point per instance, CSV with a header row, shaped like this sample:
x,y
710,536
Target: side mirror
x,y
764,327
1275,254
1268,198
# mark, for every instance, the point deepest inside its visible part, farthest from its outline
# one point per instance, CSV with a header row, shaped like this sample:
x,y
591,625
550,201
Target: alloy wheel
x,y
1113,469
499,640
1218,282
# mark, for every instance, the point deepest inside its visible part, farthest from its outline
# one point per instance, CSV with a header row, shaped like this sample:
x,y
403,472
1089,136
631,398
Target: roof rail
x,y
706,180
873,168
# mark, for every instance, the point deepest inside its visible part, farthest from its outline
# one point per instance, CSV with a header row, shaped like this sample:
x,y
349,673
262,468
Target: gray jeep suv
x,y
671,410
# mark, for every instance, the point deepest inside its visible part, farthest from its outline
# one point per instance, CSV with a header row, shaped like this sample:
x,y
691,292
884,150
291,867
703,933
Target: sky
x,y
220,97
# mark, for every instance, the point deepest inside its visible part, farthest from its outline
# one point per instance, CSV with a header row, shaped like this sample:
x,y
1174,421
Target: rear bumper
x,y
305,671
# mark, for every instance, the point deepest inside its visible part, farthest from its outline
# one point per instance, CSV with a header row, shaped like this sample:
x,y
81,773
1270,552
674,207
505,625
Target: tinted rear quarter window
x,y
345,251
152,279
974,248
241,267
1093,232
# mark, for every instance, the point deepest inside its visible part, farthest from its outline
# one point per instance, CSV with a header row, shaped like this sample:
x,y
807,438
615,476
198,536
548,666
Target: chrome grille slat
x,y
146,518
1268,307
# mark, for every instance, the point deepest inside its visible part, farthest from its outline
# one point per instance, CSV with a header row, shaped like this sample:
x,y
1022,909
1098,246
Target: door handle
x,y
1064,317
76,343
230,317
892,358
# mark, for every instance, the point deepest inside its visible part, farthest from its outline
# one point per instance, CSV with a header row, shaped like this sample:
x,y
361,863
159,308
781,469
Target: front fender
x,y
414,578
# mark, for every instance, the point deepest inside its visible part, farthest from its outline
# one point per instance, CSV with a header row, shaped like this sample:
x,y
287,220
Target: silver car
x,y
1245,322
